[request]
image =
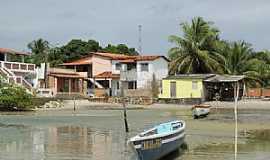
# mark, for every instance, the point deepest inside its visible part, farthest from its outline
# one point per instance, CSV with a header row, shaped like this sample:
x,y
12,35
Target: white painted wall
x,y
159,67
114,71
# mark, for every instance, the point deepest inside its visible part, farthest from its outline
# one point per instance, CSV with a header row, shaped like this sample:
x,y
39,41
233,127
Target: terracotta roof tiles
x,y
114,56
11,51
108,75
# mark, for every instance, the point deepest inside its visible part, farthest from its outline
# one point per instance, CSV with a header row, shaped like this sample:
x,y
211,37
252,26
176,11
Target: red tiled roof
x,y
149,58
11,51
83,61
108,75
114,56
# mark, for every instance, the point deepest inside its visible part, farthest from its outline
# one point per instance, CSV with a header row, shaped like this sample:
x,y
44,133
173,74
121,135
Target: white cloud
x,y
116,21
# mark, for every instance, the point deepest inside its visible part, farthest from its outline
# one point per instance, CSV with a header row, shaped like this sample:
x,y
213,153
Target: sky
x,y
116,21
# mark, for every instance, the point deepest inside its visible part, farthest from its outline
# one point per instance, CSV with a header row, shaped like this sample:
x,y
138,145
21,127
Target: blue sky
x,y
116,21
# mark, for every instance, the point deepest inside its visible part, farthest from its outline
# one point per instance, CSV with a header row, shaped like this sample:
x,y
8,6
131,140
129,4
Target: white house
x,y
137,72
13,68
108,71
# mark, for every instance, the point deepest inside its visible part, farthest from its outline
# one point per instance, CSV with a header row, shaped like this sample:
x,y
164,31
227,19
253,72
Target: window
x,y
131,66
132,85
118,85
144,67
194,85
118,66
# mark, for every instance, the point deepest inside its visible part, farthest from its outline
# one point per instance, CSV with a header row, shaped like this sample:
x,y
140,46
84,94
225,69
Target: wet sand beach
x,y
90,133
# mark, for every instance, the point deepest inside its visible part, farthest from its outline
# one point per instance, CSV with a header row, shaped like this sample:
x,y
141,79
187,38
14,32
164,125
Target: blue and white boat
x,y
159,141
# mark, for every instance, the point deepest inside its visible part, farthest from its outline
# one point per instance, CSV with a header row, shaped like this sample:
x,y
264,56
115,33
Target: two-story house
x,y
108,71
13,68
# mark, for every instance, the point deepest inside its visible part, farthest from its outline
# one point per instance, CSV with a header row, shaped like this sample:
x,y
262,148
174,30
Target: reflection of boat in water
x,y
159,141
201,110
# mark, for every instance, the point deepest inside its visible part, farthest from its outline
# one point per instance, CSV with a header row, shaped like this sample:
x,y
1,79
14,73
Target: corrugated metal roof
x,y
209,77
225,78
190,76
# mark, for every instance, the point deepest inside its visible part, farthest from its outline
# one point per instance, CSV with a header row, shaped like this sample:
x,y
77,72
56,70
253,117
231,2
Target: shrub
x,y
14,98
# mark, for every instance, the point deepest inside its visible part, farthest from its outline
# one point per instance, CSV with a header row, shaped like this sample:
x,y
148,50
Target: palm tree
x,y
263,68
195,51
240,60
39,49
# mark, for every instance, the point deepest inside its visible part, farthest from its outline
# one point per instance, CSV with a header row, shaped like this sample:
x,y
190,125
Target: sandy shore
x,y
85,104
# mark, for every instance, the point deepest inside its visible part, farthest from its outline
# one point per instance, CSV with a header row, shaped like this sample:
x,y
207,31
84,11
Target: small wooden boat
x,y
201,110
159,141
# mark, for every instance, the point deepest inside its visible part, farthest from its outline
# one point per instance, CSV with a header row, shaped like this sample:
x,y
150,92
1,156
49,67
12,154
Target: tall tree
x,y
40,49
195,51
240,60
77,48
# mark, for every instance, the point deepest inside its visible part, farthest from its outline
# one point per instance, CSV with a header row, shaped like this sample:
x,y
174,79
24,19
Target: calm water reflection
x,y
99,135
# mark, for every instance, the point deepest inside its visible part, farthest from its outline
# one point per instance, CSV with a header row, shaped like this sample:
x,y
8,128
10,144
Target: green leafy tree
x,y
195,51
77,48
120,48
56,57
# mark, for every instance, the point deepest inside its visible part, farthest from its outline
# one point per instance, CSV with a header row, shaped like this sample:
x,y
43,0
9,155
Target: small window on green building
x,y
194,85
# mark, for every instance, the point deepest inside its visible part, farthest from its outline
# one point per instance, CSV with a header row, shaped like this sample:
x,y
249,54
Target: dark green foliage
x,y
196,50
120,48
77,48
200,50
73,50
14,98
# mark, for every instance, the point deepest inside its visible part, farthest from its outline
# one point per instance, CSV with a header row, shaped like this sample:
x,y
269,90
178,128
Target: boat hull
x,y
200,112
168,145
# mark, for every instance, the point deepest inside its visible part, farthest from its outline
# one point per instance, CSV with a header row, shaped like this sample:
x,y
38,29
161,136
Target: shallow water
x,y
99,135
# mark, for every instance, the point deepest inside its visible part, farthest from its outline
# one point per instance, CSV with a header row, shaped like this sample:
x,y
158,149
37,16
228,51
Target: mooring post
x,y
236,95
74,104
124,107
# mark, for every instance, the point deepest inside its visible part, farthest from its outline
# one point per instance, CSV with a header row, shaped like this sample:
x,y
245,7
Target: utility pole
x,y
46,69
140,39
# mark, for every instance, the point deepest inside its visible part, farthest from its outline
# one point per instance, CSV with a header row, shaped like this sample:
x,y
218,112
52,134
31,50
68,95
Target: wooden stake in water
x,y
236,95
124,107
74,104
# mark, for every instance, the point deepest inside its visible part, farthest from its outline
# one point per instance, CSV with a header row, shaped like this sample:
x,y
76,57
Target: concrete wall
x,y
183,89
101,64
258,92
159,67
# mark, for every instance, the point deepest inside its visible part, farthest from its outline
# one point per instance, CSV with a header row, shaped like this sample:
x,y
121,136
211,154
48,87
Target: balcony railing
x,y
128,75
17,66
